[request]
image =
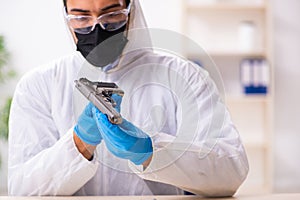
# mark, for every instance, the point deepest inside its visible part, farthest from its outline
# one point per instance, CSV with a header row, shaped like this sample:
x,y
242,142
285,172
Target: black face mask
x,y
101,47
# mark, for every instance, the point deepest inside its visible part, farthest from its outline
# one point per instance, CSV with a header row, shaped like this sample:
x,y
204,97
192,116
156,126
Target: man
x,y
176,133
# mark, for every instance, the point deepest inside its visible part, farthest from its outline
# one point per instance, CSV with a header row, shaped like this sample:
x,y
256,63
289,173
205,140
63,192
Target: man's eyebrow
x,y
79,10
102,9
110,6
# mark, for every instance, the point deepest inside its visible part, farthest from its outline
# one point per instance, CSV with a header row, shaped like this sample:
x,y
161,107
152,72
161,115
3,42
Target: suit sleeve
x,y
205,156
41,161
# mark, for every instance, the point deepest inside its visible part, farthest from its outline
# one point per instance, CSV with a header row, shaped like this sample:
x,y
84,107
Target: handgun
x,y
99,93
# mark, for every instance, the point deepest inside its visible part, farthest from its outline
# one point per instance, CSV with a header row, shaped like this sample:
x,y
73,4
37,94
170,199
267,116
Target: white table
x,y
254,197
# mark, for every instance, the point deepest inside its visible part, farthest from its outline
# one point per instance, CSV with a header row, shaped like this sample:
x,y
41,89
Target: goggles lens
x,y
109,21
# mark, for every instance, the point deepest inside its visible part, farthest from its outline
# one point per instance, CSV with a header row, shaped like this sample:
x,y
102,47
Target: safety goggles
x,y
109,21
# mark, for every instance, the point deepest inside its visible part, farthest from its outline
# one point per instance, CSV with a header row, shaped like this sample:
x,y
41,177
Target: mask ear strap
x,y
127,26
129,17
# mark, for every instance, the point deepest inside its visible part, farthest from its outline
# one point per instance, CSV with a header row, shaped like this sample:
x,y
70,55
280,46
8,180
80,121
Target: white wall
x,y
287,96
35,33
164,14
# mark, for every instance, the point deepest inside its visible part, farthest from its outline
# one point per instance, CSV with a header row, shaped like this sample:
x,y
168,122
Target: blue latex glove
x,y
86,128
124,140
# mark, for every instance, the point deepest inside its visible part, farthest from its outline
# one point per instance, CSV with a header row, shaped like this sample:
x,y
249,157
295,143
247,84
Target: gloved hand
x,y
124,140
86,128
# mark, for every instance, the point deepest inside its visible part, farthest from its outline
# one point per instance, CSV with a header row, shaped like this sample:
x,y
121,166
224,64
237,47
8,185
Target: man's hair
x,y
65,2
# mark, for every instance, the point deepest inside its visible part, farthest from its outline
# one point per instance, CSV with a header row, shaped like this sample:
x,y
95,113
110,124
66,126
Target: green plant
x,y
4,117
5,74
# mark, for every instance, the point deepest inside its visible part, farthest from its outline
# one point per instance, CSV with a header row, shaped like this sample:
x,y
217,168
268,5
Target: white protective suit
x,y
196,146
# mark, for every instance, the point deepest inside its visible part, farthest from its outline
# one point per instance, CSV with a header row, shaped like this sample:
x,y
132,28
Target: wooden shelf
x,y
225,7
231,53
256,145
247,98
218,23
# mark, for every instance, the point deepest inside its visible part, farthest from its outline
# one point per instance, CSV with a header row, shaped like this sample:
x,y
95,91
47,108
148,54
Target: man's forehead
x,y
94,4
